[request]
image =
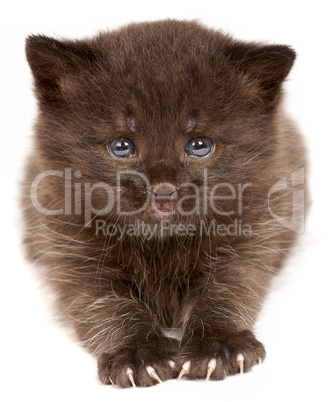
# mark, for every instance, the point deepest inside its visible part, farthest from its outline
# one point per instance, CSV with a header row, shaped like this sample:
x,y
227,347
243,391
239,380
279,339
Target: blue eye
x,y
121,148
199,147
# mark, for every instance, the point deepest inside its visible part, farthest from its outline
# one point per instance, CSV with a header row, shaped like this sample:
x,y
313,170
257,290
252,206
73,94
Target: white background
x,y
38,359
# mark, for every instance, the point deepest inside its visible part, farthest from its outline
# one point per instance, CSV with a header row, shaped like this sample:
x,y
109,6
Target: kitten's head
x,y
165,114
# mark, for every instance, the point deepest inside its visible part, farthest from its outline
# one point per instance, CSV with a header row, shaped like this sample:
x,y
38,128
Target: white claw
x,y
211,366
130,375
240,362
111,381
172,364
152,373
259,361
185,368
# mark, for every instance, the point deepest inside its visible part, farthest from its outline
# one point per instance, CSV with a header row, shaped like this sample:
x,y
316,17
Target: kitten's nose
x,y
164,191
164,194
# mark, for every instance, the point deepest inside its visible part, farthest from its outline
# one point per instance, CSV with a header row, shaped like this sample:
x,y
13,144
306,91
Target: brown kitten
x,y
157,195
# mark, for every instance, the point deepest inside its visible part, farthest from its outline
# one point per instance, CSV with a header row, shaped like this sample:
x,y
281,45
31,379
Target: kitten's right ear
x,y
51,59
261,68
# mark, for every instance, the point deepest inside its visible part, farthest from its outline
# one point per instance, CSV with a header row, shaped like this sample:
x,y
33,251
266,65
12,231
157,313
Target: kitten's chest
x,y
164,298
165,276
167,284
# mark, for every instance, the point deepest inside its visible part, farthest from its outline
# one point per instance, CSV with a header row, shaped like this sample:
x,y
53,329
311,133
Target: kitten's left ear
x,y
52,60
262,69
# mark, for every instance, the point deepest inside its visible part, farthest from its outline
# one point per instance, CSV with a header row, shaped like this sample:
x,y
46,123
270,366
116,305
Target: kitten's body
x,y
162,84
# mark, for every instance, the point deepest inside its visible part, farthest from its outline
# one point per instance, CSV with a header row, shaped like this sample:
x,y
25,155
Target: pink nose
x,y
164,191
164,194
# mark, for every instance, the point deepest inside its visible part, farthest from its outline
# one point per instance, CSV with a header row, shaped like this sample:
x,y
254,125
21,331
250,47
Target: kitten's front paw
x,y
215,359
141,364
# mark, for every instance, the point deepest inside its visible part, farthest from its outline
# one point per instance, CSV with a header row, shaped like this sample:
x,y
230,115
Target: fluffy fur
x,y
177,80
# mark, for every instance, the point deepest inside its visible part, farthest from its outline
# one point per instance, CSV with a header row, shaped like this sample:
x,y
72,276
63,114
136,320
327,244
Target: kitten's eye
x,y
121,148
199,147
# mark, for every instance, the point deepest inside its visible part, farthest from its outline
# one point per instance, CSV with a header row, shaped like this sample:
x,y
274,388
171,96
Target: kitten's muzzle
x,y
163,195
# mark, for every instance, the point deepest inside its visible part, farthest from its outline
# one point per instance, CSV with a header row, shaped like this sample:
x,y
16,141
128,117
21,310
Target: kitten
x,y
156,196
